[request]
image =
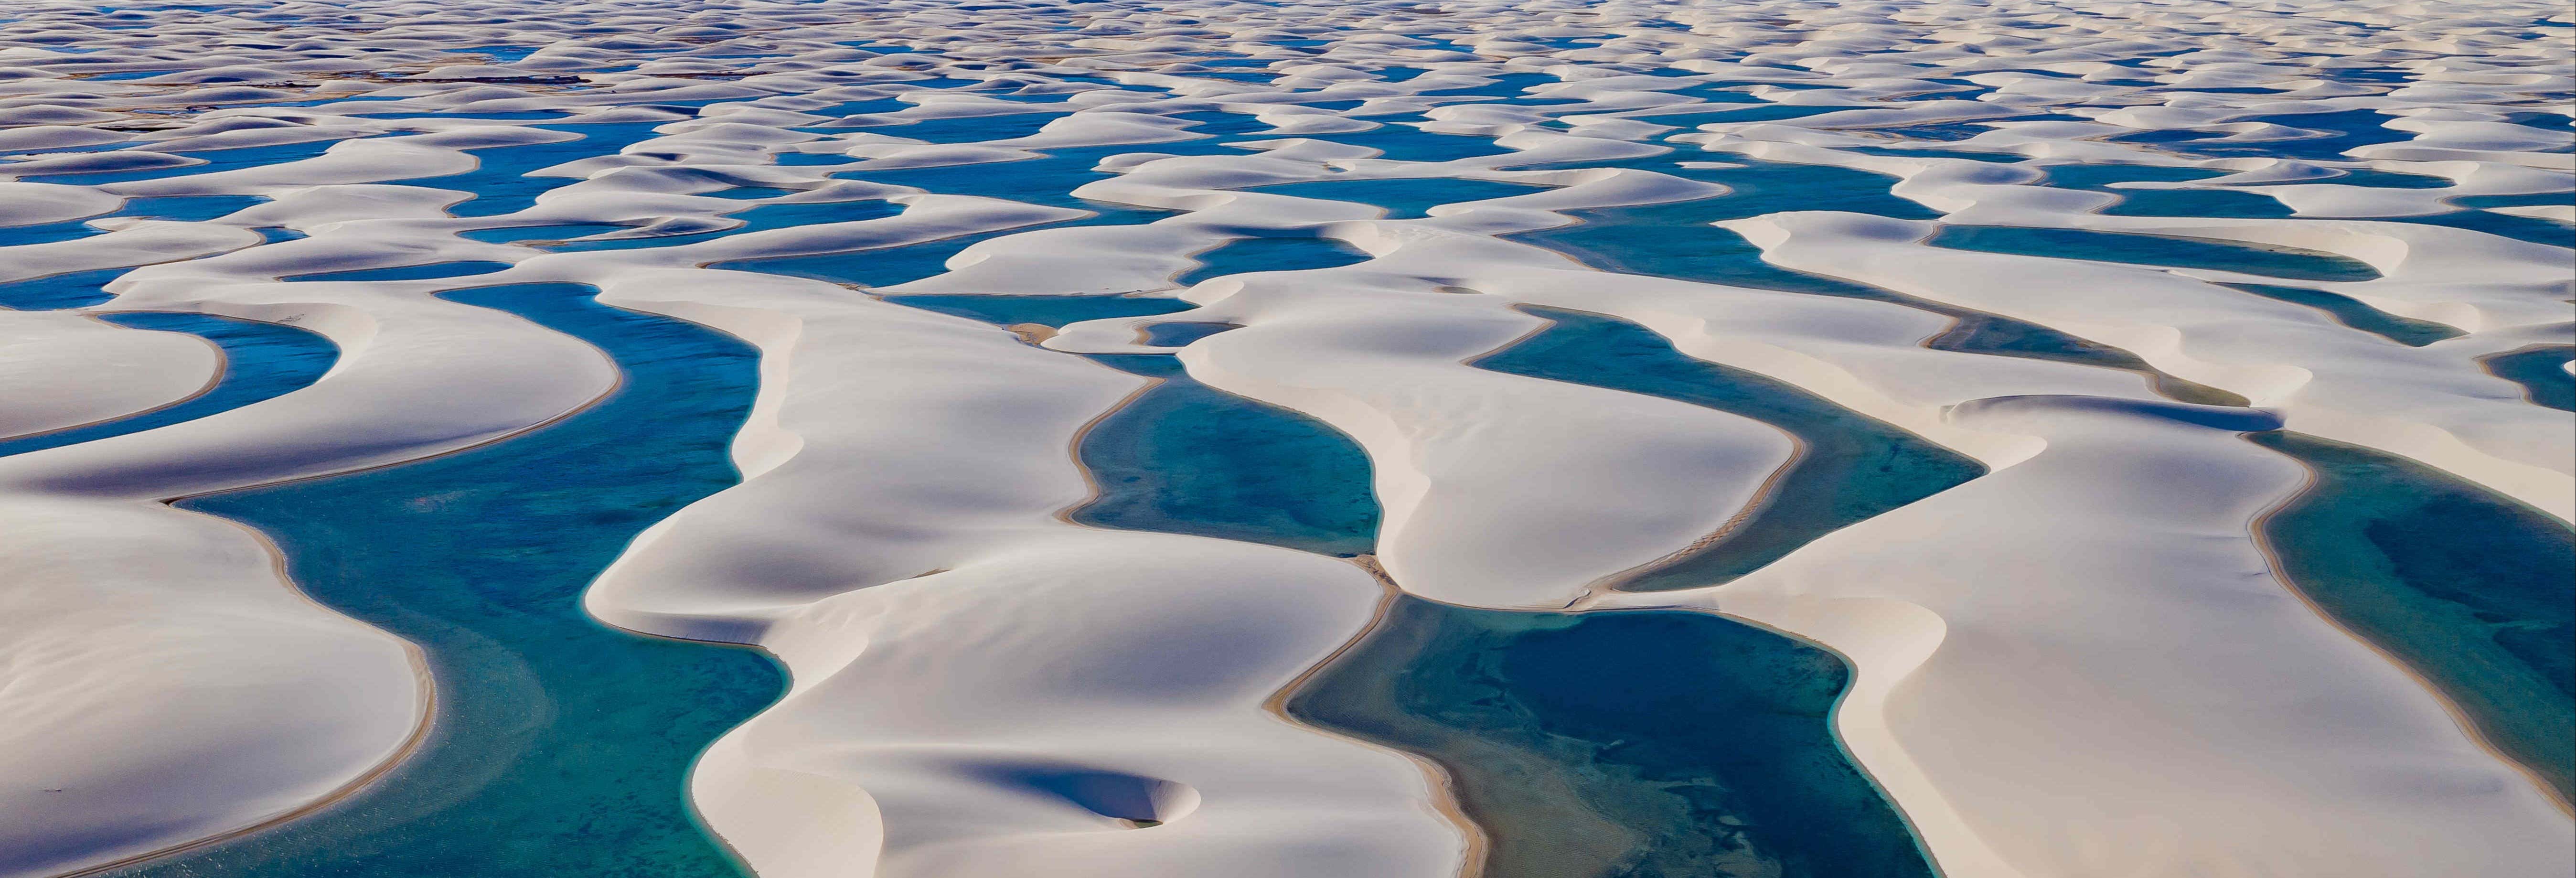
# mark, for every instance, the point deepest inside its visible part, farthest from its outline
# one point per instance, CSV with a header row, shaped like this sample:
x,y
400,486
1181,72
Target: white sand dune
x,y
2144,648
1062,679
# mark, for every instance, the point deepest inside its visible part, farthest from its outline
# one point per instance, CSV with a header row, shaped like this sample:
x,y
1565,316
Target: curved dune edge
x,y
1914,635
236,701
1777,334
991,759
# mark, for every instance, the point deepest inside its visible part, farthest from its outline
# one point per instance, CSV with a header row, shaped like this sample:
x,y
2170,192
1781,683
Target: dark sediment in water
x,y
1184,457
1650,743
2542,372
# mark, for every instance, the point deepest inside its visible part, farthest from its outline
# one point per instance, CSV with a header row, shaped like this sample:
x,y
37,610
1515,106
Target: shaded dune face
x,y
1034,438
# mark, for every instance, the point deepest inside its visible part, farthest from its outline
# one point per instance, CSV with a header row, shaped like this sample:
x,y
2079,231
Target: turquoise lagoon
x,y
1675,240
261,360
2542,372
1850,467
1722,762
559,746
2472,590
1639,744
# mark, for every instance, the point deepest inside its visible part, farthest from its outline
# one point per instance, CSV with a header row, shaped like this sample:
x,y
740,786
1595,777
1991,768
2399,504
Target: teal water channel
x,y
1247,255
2282,262
1850,467
1183,457
1409,198
1721,763
2353,313
1675,240
559,746
2542,372
1634,744
2475,592
261,360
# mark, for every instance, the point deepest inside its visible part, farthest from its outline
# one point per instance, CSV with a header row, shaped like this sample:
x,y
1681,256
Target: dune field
x,y
835,439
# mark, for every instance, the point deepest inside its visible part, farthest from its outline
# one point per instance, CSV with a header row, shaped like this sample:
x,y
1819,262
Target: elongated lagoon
x,y
1675,240
2472,590
261,360
1850,467
1720,762
559,746
1659,743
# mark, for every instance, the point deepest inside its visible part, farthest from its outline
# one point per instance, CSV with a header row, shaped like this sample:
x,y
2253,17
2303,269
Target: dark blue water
x,y
2335,133
1188,458
1851,468
972,129
1750,113
261,360
1991,157
2519,228
500,182
754,219
216,160
1183,457
516,234
1675,240
2471,589
896,265
2532,200
2283,262
1047,181
1049,311
806,213
1721,763
46,233
2221,203
1245,255
1647,744
425,271
560,746
2542,372
1501,85
2102,176
1402,199
77,289
188,208
813,158
748,193
1407,143
2389,179
1173,335
501,54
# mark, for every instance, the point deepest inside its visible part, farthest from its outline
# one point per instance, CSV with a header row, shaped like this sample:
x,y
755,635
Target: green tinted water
x,y
2474,591
1851,467
1661,744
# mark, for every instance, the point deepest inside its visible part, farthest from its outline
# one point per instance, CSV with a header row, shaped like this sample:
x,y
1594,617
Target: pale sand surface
x,y
2080,664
